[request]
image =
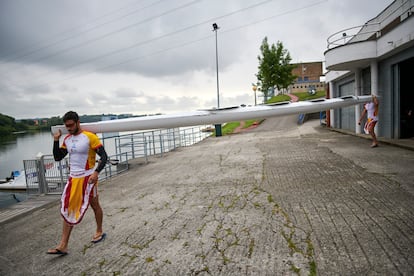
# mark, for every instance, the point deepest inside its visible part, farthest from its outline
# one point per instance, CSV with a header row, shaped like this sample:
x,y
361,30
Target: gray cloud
x,y
101,56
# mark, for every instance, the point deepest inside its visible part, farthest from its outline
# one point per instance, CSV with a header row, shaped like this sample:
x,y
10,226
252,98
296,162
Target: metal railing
x,y
374,28
353,34
45,176
157,142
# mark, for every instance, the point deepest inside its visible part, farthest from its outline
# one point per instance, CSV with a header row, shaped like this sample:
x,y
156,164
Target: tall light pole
x,y
217,127
215,28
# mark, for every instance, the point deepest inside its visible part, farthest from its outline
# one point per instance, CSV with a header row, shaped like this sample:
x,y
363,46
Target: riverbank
x,y
276,200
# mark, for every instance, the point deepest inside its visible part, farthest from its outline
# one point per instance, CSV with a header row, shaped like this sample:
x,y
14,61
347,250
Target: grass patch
x,y
305,96
249,123
278,98
229,128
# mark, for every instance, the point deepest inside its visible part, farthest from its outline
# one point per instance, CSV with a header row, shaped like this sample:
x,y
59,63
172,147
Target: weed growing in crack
x,y
270,198
200,230
295,269
101,264
251,248
86,247
149,259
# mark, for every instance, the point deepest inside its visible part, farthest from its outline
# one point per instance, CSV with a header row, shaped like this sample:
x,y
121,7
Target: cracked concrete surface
x,y
280,199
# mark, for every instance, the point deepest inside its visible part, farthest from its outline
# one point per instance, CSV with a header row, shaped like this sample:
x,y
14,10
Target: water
x,y
7,199
27,146
19,147
13,150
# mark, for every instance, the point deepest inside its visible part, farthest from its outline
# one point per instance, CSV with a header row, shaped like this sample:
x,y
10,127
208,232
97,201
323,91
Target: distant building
x,y
308,77
376,57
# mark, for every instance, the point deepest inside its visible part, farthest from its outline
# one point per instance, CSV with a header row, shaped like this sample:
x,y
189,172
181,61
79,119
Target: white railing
x,y
45,176
373,29
353,34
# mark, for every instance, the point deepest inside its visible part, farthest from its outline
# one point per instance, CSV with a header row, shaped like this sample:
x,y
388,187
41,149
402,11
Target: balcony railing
x,y
392,16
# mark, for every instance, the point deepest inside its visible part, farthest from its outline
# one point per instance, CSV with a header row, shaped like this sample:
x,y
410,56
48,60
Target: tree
x,y
7,124
275,70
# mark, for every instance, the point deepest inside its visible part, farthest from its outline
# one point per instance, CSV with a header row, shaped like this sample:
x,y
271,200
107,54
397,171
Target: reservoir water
x,y
23,146
27,146
16,148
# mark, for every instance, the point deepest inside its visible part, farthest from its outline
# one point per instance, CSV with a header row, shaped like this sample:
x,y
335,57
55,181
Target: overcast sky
x,y
153,56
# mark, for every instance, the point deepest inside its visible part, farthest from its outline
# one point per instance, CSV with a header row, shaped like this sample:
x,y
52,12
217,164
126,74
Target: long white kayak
x,y
218,116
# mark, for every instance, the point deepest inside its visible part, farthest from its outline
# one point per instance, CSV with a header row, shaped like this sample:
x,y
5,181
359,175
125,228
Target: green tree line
x,y
9,125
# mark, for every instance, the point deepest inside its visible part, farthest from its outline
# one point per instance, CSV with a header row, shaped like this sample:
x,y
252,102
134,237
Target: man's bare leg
x,y
64,241
98,216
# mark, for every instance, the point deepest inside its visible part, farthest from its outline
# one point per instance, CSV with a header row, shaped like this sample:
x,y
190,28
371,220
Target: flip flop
x,y
99,239
57,252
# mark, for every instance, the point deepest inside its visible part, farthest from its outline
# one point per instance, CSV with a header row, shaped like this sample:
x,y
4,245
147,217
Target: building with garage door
x,y
377,57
